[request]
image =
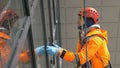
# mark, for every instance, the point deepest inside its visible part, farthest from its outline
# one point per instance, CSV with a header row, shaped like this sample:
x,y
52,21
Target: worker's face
x,y
80,21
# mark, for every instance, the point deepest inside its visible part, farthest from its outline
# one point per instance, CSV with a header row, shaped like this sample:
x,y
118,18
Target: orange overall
x,y
8,19
4,49
98,53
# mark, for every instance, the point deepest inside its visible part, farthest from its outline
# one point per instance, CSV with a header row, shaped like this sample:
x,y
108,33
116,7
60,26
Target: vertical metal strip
x,y
58,22
31,47
51,30
50,21
58,32
53,6
44,31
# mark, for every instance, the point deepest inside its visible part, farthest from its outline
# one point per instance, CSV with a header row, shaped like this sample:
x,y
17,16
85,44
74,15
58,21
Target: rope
x,y
87,64
84,26
82,20
81,23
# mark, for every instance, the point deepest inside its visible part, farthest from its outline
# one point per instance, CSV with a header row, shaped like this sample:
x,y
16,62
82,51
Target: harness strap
x,y
85,41
88,37
77,60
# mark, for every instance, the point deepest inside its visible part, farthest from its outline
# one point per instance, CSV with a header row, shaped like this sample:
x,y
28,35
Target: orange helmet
x,y
7,19
90,13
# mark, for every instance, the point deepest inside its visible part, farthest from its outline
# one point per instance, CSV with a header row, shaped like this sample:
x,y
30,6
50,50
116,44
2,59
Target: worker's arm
x,y
25,55
5,52
93,45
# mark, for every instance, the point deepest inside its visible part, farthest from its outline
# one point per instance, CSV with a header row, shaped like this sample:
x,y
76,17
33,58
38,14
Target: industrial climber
x,y
92,44
7,20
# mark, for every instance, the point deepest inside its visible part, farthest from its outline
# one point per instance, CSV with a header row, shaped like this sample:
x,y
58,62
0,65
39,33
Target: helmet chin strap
x,y
89,22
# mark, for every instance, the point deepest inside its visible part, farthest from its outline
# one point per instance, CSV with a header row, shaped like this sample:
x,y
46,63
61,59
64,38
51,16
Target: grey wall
x,y
109,11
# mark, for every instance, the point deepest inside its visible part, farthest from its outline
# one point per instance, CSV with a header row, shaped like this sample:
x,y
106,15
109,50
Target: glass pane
x,y
11,49
19,42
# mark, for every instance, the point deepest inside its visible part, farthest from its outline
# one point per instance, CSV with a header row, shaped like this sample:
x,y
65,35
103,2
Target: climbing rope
x,y
82,22
83,29
82,19
85,32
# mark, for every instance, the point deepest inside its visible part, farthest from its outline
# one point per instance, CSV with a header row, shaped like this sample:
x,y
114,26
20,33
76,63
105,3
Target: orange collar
x,y
4,36
92,29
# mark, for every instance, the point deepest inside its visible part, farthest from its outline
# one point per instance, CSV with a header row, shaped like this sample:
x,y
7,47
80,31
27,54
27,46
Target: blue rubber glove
x,y
40,50
51,50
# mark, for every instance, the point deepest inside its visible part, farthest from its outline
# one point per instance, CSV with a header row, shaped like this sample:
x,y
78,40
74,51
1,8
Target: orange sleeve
x,y
93,45
68,56
24,57
5,52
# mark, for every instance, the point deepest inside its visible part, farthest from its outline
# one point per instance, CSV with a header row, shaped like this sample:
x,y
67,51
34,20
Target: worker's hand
x,y
40,50
51,50
24,57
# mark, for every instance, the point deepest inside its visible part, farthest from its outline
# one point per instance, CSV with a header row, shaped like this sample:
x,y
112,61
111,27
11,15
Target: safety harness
x,y
84,41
